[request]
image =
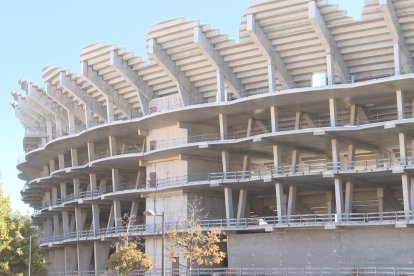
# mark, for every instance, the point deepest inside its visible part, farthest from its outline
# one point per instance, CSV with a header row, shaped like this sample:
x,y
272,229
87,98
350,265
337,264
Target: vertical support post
x,y
380,196
74,157
330,68
406,188
403,148
89,116
101,254
223,126
65,222
78,219
335,155
115,179
274,118
59,130
221,92
277,160
95,218
241,206
400,104
349,190
93,182
76,186
339,200
91,151
298,120
397,59
62,190
61,159
52,165
352,114
246,163
225,159
112,145
109,110
351,156
49,130
280,202
271,75
291,200
295,160
228,199
333,112
117,214
329,197
249,127
71,123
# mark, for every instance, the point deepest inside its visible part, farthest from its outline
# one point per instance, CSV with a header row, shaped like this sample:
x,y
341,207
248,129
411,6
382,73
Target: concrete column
x,y
78,219
330,68
333,112
49,130
65,222
71,123
115,179
274,118
349,190
133,214
380,196
291,207
59,262
228,200
117,213
110,110
48,226
351,157
112,145
241,206
74,157
225,159
397,60
249,127
52,166
45,171
295,160
54,195
44,141
406,189
277,160
403,148
400,104
339,199
71,259
91,151
223,126
92,182
111,219
63,193
412,193
329,197
221,92
298,120
95,218
48,198
280,202
56,227
76,186
335,154
59,129
246,163
61,159
101,256
90,122
84,256
271,75
352,115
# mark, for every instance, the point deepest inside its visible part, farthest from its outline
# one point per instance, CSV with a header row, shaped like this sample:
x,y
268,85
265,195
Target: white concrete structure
x,y
300,136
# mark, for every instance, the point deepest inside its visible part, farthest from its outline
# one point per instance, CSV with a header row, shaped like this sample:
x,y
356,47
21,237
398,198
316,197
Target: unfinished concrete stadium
x,y
299,138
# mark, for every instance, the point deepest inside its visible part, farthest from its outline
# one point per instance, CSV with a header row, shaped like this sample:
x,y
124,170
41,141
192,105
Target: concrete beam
x,y
89,101
112,95
145,93
265,46
327,40
214,57
394,28
184,85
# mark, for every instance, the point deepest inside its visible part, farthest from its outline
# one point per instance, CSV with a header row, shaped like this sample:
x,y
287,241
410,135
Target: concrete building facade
x,y
299,139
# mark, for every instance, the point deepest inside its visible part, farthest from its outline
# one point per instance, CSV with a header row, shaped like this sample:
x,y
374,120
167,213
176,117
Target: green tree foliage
x,y
129,258
15,232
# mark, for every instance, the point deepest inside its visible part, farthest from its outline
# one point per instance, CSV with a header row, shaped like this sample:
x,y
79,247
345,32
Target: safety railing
x,y
299,220
168,181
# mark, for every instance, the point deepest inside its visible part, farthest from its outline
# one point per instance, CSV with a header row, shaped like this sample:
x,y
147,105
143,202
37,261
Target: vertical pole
x,y
30,253
163,245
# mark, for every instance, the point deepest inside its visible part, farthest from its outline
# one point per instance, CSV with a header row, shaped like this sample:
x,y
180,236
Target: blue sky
x,y
34,34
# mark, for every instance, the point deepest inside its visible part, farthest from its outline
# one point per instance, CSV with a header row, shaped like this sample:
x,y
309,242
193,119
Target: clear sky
x,y
34,34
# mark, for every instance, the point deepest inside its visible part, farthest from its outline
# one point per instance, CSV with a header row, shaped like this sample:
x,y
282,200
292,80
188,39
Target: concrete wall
x,y
167,168
212,204
166,135
367,246
172,203
199,169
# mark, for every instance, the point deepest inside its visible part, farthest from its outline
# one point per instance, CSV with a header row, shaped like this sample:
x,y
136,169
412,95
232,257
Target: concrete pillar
x,y
333,112
71,123
65,222
109,110
133,214
400,104
49,130
412,193
78,219
56,227
241,206
61,159
228,200
59,262
403,148
291,207
48,198
54,195
112,146
295,160
111,219
277,160
406,189
352,115
52,166
223,126
115,179
298,120
59,128
329,198
90,122
280,202
95,218
249,127
92,182
397,60
74,157
274,118
48,226
221,92
101,250
45,171
339,199
271,76
84,256
335,154
380,196
91,151
76,186
117,213
246,163
63,193
330,68
349,190
351,157
225,161
71,259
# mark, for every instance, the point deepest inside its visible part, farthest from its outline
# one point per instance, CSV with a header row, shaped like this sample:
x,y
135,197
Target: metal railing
x,y
300,220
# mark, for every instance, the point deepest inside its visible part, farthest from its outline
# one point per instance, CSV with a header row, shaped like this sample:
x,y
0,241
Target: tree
x,y
129,257
15,233
198,246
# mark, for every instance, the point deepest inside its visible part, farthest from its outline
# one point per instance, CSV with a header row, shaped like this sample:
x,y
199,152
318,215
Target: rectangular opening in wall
x,y
318,79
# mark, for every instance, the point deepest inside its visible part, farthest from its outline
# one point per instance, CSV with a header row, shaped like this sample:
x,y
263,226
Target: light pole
x,y
153,214
30,253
